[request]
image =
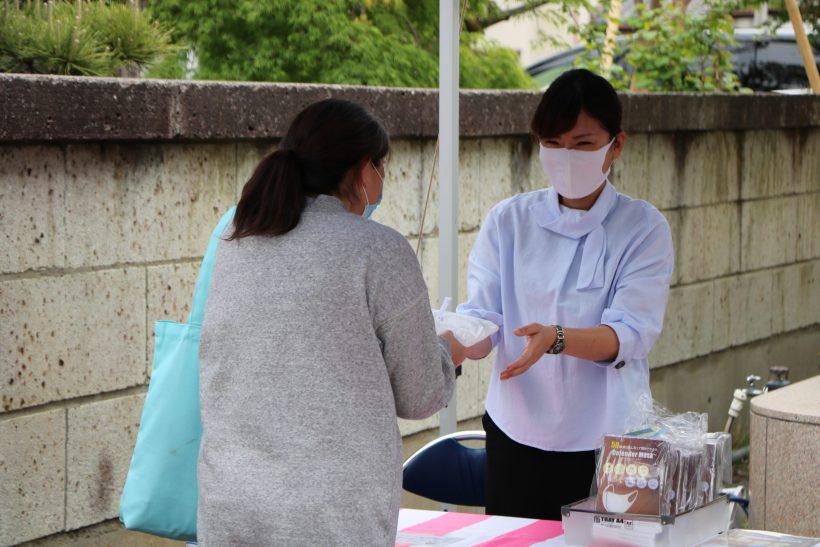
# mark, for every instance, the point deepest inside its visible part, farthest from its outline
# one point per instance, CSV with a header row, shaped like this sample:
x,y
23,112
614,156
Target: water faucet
x,y
751,389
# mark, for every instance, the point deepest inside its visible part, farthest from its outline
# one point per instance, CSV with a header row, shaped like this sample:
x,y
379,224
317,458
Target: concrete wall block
x,y
32,476
497,182
743,309
473,183
428,259
248,156
71,335
808,225
465,246
768,232
674,219
171,290
796,297
404,190
169,296
687,325
32,187
629,173
768,165
807,143
101,438
430,266
709,168
533,173
649,173
709,242
151,202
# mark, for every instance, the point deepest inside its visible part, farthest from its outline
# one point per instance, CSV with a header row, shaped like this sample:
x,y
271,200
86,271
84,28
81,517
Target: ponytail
x,y
324,142
273,199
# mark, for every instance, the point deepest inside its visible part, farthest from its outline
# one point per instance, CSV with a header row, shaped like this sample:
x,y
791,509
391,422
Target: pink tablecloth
x,y
418,527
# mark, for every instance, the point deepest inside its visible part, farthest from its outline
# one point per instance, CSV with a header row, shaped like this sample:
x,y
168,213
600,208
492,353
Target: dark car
x,y
763,62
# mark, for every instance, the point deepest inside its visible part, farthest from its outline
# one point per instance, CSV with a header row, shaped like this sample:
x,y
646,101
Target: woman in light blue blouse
x,y
576,276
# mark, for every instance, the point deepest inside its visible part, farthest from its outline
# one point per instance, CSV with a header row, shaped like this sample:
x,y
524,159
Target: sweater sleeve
x,y
418,362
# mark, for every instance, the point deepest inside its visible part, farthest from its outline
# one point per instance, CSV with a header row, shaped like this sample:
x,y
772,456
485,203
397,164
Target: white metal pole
x,y
448,169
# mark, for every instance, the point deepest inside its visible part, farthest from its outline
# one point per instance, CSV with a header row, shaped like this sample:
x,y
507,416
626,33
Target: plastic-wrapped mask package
x,y
668,466
716,471
467,330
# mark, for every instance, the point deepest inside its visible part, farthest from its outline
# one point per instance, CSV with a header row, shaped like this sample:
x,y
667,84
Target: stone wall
x,y
109,190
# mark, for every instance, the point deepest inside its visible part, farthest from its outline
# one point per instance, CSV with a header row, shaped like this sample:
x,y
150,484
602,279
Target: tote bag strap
x,y
204,279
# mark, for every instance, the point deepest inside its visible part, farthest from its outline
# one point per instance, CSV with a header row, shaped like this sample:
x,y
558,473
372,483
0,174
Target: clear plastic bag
x,y
686,469
467,330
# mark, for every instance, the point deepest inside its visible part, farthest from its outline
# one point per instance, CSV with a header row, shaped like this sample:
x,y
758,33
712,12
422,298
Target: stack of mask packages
x,y
669,466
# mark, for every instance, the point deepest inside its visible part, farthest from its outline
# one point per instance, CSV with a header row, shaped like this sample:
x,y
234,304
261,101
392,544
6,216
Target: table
x,y
417,527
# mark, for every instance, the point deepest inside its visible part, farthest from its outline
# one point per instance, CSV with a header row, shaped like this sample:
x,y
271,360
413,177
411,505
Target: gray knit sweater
x,y
312,344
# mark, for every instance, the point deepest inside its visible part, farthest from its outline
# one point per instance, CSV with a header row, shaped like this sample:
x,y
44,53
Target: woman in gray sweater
x,y
317,335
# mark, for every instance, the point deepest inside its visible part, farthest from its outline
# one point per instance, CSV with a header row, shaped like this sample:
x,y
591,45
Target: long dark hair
x,y
322,144
570,93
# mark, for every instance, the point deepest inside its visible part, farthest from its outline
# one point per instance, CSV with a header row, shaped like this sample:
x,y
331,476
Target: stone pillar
x,y
784,475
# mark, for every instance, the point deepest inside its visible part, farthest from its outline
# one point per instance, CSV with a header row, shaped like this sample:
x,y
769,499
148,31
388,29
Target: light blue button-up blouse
x,y
535,261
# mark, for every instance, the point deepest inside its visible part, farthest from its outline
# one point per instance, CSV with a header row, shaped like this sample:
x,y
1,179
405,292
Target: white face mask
x,y
574,173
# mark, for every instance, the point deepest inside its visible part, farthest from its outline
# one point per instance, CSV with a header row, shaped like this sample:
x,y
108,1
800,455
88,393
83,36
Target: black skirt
x,y
523,481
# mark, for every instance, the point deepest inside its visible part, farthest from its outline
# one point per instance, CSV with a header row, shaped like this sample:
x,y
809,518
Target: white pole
x,y
448,169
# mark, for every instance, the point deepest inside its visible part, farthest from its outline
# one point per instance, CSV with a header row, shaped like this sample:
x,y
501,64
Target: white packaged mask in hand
x,y
468,330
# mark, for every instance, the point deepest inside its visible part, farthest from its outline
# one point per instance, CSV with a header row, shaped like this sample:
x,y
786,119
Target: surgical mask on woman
x,y
371,207
574,173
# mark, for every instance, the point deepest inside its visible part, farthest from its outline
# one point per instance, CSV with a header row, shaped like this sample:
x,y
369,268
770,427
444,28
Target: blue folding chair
x,y
447,471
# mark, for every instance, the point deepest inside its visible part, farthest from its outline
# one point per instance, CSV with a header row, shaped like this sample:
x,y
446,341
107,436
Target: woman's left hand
x,y
540,338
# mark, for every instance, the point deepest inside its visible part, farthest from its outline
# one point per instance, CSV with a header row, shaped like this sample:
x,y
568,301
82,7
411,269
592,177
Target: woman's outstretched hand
x,y
540,338
457,351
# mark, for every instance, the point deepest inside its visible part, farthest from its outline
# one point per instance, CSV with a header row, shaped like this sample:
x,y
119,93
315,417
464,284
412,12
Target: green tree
x,y
370,42
668,49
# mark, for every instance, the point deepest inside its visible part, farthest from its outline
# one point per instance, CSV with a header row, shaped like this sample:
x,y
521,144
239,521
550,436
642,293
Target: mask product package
x,y
708,472
633,475
716,471
691,462
694,463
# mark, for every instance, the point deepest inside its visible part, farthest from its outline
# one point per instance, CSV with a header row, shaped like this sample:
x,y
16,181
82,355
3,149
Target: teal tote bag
x,y
160,493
